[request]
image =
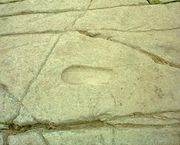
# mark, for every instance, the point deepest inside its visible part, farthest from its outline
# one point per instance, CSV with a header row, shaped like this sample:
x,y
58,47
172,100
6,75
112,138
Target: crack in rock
x,y
85,32
82,14
154,2
16,129
40,69
56,11
157,59
34,78
12,1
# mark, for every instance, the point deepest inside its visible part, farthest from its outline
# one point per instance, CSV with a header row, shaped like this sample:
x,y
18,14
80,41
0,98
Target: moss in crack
x,y
15,129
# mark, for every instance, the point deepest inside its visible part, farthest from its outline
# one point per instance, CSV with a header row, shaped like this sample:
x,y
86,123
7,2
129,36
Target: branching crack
x,y
95,123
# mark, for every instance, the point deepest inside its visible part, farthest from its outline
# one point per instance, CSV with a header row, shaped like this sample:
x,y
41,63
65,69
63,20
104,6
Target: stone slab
x,y
9,105
2,138
89,72
120,18
20,60
120,136
85,74
135,18
164,43
28,138
59,6
33,6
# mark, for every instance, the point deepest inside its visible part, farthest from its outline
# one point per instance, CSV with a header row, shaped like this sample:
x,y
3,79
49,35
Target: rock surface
x,y
2,139
26,139
89,72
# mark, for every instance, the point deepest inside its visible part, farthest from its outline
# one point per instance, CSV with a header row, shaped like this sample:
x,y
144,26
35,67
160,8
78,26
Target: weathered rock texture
x,y
89,72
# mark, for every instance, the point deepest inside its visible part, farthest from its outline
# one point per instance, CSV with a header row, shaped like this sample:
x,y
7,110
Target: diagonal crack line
x,y
43,138
40,69
155,2
82,14
71,30
33,33
118,6
34,78
30,12
157,59
9,2
175,1
56,11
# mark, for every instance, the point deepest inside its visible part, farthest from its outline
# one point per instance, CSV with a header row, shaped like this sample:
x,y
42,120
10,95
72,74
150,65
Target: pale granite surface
x,y
89,72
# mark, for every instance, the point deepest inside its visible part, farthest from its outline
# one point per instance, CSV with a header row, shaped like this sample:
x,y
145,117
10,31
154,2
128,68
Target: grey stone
x,y
147,136
2,139
24,118
9,105
74,74
164,43
59,6
115,3
33,6
20,60
143,120
28,138
3,126
135,18
52,23
102,136
89,72
119,136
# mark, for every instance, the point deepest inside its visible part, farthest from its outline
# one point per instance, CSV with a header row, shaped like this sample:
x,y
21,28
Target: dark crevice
x,y
9,2
15,129
29,12
33,33
155,2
